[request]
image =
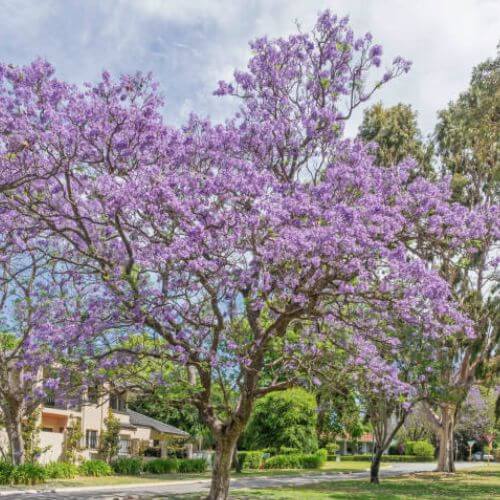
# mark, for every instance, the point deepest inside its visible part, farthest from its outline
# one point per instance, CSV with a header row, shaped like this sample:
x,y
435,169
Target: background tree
x,y
416,427
283,420
30,301
396,133
110,437
160,405
476,419
467,137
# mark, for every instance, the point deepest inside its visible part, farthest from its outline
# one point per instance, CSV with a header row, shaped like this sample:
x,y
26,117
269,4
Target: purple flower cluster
x,y
220,239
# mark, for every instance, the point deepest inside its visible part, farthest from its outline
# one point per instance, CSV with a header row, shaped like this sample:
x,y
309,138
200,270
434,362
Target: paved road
x,y
170,490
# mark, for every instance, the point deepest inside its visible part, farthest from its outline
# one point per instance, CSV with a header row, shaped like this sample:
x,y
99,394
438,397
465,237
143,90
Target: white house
x,y
138,432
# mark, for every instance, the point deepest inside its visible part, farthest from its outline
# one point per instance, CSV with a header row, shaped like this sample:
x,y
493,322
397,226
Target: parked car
x,y
479,455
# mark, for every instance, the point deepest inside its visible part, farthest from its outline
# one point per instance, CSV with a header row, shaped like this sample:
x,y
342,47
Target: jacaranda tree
x,y
33,337
222,242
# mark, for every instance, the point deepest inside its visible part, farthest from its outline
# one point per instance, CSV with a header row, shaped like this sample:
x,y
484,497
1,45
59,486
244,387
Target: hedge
x,y
297,461
128,466
161,466
61,470
95,468
30,473
169,465
248,460
419,448
6,469
34,473
388,458
190,465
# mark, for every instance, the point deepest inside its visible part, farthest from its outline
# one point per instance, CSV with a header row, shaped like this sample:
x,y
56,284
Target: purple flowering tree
x,y
31,338
224,245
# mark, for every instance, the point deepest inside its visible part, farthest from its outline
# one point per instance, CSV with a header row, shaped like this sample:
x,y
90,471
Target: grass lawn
x,y
329,467
480,483
344,467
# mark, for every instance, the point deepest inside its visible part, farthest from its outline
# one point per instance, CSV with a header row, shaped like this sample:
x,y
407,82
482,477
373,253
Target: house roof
x,y
144,421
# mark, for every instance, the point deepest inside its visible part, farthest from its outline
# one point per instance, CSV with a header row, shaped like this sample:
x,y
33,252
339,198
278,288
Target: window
x,y
117,402
91,439
50,400
123,445
93,395
47,429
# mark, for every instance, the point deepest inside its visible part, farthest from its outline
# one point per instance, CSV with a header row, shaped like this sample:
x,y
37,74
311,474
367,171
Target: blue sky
x,y
190,44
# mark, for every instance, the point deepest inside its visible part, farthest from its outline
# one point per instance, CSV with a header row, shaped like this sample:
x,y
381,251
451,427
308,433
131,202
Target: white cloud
x,y
191,44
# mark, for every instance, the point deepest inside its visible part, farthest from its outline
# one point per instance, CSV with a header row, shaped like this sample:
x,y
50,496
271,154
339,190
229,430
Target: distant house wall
x,y
52,443
55,420
4,442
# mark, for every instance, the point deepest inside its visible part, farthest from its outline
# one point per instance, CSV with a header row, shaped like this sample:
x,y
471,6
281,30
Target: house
x,y
349,446
138,432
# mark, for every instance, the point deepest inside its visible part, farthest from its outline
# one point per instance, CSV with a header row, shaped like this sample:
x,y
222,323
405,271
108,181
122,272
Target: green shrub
x,y
422,449
283,462
248,460
127,466
297,461
30,473
286,450
95,468
408,447
331,448
61,470
161,466
190,465
322,454
6,469
282,420
388,458
311,461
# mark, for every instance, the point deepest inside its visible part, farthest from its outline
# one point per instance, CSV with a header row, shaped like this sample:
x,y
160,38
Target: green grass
x,y
145,479
478,484
329,467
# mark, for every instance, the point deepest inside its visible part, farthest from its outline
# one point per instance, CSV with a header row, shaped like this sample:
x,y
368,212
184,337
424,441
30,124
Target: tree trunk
x,y
446,461
375,465
13,427
221,470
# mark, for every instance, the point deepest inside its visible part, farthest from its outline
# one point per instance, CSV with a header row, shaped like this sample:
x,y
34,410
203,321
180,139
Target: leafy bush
x,y
61,470
6,469
190,465
286,450
283,419
95,468
283,462
249,460
30,473
127,466
161,466
311,461
331,448
388,458
297,461
421,449
323,454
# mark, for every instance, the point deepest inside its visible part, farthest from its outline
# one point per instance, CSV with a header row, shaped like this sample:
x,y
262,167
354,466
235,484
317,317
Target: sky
x,y
191,44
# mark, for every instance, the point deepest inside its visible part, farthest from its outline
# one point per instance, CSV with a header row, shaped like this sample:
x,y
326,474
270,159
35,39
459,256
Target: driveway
x,y
171,488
